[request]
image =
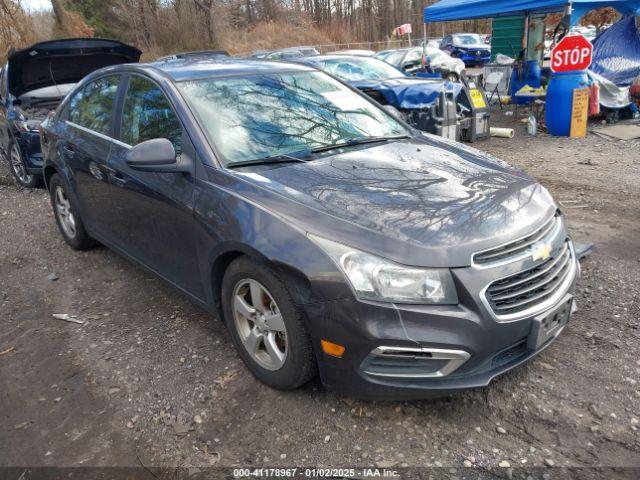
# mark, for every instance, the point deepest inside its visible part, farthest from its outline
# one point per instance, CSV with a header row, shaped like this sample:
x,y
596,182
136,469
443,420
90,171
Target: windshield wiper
x,y
282,158
352,142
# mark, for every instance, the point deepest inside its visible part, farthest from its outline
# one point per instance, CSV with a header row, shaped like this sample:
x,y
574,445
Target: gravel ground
x,y
150,379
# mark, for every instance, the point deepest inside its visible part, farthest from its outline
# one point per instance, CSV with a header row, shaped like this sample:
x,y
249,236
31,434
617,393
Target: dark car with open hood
x,y
34,81
330,236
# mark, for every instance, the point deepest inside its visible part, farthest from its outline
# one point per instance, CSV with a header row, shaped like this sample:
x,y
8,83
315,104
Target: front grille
x,y
525,290
518,248
509,355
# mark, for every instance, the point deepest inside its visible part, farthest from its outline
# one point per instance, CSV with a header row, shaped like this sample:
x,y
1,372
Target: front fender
x,y
231,221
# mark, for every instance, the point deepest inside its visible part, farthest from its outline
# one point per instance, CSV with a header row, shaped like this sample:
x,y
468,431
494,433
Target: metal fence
x,y
375,46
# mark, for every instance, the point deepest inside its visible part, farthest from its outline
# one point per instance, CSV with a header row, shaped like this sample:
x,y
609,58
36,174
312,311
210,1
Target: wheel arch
x,y
49,171
296,281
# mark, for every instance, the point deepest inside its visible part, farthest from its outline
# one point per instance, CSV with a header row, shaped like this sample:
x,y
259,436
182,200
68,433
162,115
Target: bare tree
x,y
207,8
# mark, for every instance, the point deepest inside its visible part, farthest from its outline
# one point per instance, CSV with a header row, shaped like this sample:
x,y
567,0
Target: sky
x,y
37,4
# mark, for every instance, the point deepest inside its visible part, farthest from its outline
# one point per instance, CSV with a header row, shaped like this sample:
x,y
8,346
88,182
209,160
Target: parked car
x,y
360,53
330,236
196,53
285,53
434,43
468,47
411,97
410,61
33,82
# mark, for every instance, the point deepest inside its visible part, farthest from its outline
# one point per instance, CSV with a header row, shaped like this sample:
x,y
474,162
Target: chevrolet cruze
x,y
331,237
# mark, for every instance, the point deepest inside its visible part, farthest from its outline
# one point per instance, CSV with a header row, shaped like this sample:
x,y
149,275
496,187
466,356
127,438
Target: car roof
x,y
194,53
405,49
197,68
336,56
301,47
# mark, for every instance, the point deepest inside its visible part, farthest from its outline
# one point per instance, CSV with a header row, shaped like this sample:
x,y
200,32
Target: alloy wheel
x,y
64,212
259,324
17,166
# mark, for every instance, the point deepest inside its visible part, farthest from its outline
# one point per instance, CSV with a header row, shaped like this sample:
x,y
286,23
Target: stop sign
x,y
571,53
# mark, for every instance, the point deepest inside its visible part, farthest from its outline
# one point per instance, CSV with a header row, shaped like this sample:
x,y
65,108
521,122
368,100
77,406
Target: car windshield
x,y
260,116
355,69
468,39
394,58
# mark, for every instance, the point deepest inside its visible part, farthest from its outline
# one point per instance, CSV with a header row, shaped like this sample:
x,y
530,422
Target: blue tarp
x,y
616,52
448,10
409,93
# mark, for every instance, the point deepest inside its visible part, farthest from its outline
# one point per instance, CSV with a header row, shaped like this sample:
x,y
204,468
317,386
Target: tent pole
x,y
525,37
423,60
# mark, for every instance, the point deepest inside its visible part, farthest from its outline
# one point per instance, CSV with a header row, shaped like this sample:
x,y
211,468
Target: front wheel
x,y
18,168
266,326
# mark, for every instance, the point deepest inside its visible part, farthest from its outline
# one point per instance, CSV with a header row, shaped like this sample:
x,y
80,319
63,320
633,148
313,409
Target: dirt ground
x,y
149,379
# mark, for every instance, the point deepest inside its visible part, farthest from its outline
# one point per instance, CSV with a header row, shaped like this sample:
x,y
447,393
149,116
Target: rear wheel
x,y
266,326
19,170
67,216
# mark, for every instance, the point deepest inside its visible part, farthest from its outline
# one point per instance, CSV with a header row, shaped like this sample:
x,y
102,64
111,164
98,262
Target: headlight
x,y
374,278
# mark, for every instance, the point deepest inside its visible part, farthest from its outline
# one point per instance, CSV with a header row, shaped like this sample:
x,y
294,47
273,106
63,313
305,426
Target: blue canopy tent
x,y
449,10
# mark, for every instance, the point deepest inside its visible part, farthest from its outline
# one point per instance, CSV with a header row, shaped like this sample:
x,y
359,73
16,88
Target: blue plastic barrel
x,y
534,73
560,100
531,76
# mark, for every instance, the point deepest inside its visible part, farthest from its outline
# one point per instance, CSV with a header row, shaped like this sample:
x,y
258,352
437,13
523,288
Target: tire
x,y
243,278
18,168
452,77
67,215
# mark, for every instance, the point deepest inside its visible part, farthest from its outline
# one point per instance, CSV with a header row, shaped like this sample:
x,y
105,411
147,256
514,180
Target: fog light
x,y
332,349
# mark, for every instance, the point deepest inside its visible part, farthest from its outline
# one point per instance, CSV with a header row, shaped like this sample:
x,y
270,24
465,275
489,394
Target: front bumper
x,y
29,143
447,348
471,59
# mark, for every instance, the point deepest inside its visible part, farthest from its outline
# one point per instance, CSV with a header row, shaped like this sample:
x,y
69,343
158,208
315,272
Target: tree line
x,y
159,27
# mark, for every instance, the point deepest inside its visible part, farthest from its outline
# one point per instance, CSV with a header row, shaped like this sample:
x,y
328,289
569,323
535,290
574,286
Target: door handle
x,y
69,150
116,178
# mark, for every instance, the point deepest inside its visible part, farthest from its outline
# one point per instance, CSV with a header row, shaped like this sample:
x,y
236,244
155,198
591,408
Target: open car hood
x,y
64,61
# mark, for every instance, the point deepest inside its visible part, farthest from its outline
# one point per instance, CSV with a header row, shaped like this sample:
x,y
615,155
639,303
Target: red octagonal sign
x,y
571,53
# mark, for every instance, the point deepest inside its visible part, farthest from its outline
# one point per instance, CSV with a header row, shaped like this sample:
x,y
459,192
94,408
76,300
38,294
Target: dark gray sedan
x,y
331,237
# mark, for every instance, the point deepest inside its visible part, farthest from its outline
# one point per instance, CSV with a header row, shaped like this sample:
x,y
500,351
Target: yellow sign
x,y
477,98
579,113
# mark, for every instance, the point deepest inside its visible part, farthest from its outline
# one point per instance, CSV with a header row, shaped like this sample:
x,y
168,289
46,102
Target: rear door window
x,y
92,107
147,114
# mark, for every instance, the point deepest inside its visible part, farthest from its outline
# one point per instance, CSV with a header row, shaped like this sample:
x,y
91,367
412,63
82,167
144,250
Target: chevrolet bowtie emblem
x,y
541,250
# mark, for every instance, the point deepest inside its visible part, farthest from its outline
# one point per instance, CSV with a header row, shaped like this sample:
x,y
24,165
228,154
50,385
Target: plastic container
x,y
531,76
560,100
532,125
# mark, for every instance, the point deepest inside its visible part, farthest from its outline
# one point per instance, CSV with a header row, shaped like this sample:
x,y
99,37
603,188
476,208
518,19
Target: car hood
x,y
417,202
64,61
408,93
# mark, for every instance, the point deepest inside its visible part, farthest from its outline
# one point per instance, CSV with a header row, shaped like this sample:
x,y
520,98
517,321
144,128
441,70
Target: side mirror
x,y
156,155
